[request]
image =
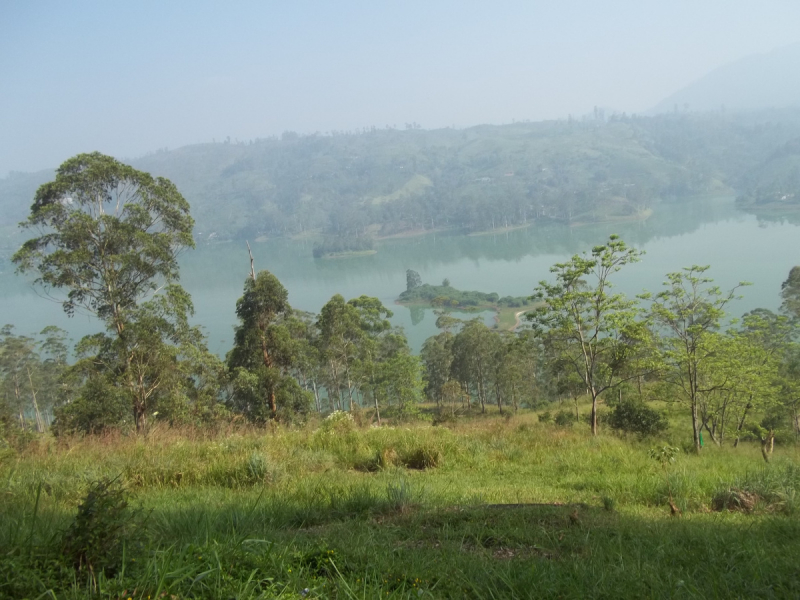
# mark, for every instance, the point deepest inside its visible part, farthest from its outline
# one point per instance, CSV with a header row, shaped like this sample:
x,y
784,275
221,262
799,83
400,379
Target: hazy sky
x,y
128,78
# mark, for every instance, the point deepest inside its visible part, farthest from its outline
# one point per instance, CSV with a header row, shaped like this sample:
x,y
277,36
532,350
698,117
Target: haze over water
x,y
738,246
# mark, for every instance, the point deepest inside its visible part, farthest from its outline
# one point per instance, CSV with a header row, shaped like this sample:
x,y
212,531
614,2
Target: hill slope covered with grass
x,y
484,508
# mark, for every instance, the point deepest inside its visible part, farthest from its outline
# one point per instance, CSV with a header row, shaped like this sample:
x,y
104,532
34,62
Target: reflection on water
x,y
737,245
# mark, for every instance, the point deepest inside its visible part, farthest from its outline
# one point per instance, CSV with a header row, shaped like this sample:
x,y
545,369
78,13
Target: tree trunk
x,y
695,428
498,397
747,407
316,395
39,421
332,397
711,433
767,446
19,403
273,408
139,417
349,385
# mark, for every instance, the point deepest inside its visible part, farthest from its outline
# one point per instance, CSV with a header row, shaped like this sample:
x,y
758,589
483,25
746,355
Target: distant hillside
x,y
473,179
391,182
775,183
760,81
16,196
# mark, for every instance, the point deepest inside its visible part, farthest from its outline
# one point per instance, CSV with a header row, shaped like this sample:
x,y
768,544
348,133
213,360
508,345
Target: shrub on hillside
x,y
99,407
635,417
602,417
14,439
338,421
407,412
95,540
444,415
564,418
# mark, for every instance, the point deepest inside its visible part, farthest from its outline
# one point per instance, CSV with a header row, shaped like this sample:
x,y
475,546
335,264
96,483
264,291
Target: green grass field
x,y
486,507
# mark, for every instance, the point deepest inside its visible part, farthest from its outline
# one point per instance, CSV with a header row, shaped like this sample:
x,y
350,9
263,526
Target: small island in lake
x,y
508,309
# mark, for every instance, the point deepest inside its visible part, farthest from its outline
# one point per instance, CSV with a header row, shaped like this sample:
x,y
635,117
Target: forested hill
x,y
775,183
387,181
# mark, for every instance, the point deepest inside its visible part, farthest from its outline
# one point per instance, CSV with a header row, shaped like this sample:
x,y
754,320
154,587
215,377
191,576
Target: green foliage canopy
x,y
109,234
598,333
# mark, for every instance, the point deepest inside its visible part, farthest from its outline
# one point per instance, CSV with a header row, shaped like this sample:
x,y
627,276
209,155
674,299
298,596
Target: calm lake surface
x,y
738,246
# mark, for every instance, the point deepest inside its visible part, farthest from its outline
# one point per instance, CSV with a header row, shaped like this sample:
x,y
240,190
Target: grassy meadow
x,y
481,507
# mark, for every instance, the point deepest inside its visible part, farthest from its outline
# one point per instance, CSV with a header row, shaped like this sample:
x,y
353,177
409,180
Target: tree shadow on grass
x,y
498,551
527,550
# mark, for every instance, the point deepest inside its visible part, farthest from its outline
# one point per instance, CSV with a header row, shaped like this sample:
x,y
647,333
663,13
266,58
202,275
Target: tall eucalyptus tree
x,y
109,236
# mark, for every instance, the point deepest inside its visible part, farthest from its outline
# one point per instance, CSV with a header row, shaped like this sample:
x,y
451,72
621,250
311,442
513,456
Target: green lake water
x,y
738,246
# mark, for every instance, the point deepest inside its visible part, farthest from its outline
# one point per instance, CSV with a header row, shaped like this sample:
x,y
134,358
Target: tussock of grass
x,y
768,489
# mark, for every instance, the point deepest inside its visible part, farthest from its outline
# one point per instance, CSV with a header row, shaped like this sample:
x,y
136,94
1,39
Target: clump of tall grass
x,y
399,494
421,457
771,488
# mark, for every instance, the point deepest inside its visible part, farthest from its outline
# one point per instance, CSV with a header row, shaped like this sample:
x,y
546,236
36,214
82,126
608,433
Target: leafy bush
x,y
601,417
564,418
636,417
338,421
294,403
405,413
99,407
444,415
14,439
94,541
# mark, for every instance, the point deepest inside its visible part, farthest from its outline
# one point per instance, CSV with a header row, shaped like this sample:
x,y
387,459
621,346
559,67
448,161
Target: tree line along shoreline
x,y
106,238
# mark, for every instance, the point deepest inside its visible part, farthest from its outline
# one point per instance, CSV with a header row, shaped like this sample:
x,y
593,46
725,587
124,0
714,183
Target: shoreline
x,y
500,230
338,255
413,233
643,216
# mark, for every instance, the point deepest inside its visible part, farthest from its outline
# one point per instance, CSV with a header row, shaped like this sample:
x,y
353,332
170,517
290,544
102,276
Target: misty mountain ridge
x,y
387,182
758,81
